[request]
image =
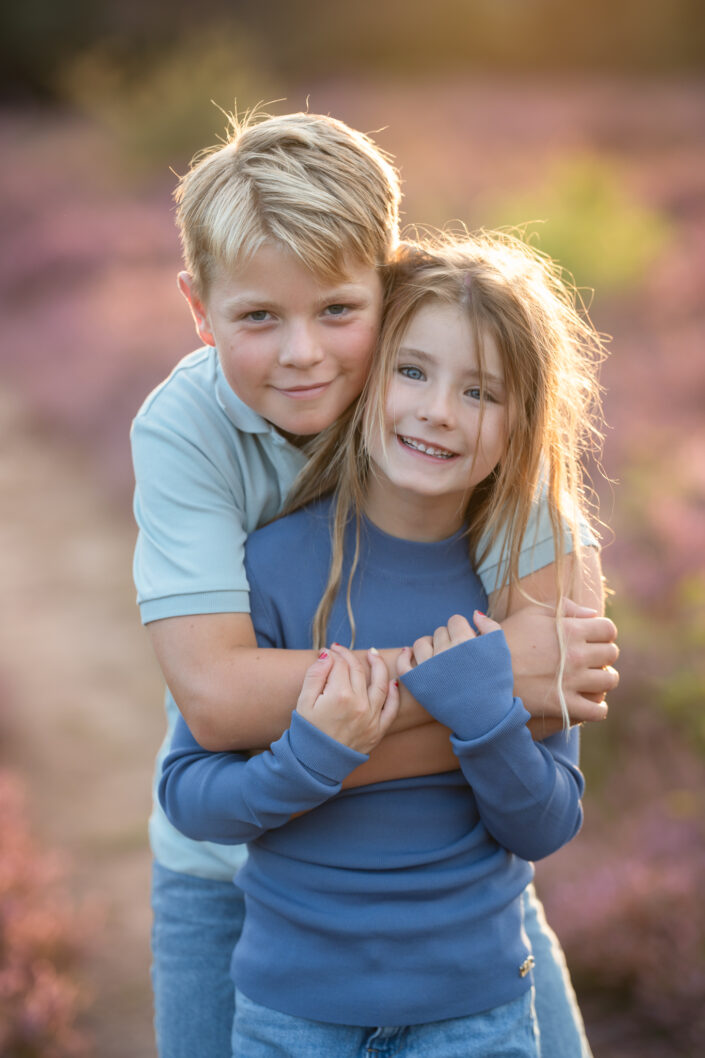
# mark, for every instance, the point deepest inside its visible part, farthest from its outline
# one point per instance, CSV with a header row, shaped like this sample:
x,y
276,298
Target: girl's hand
x,y
458,630
339,699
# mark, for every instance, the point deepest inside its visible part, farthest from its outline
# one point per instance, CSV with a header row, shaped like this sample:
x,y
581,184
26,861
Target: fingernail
x,y
481,613
323,654
396,683
374,650
335,644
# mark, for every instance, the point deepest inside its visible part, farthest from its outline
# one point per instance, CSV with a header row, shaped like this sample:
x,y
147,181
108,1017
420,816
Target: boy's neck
x,y
296,439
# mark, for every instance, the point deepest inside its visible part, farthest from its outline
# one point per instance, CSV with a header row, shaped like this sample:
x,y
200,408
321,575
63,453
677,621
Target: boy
x,y
286,231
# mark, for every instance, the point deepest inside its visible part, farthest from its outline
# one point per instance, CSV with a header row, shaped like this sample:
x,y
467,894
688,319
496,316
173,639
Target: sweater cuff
x,y
320,753
468,687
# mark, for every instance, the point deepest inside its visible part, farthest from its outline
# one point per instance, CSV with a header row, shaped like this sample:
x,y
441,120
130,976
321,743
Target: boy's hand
x,y
339,699
590,655
458,630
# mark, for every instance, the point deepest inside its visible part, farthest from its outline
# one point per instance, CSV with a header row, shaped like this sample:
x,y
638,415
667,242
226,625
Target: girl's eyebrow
x,y
429,358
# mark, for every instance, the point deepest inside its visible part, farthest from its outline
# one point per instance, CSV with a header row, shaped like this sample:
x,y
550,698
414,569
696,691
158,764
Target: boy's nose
x,y
300,348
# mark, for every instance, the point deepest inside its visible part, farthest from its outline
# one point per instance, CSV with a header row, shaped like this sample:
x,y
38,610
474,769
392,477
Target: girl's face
x,y
446,424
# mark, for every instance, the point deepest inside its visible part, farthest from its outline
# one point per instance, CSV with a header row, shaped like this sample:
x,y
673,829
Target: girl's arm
x,y
528,793
341,715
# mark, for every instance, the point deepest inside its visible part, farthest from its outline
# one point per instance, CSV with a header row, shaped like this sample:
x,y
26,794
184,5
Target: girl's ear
x,y
198,309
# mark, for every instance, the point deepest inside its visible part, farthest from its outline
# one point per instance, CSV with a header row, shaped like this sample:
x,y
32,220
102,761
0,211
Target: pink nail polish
x,y
323,654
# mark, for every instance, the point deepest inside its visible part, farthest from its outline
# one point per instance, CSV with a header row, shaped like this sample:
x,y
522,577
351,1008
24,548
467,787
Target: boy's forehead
x,y
272,266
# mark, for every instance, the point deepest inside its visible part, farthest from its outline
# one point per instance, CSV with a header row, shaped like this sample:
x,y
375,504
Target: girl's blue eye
x,y
414,373
336,310
475,393
257,316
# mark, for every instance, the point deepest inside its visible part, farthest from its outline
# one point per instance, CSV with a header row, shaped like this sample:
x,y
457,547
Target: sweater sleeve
x,y
528,793
231,798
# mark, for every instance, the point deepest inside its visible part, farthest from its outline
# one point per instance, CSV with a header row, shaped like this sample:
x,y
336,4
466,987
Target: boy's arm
x,y
232,693
235,695
530,628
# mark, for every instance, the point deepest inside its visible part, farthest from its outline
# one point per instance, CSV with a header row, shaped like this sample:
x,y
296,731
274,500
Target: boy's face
x,y
294,347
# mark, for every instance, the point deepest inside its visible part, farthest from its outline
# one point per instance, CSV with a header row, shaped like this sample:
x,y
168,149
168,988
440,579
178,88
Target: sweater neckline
x,y
394,553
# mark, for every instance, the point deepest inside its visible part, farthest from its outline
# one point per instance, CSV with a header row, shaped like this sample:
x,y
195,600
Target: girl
x,y
402,901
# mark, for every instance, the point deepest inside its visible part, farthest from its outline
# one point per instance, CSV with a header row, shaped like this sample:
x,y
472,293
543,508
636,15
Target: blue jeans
x,y
557,1011
197,924
508,1031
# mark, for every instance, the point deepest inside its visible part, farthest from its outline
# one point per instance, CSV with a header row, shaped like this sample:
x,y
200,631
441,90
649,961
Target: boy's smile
x,y
294,346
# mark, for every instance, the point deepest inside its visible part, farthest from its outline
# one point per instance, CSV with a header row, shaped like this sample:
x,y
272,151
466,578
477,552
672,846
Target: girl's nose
x,y
437,408
300,347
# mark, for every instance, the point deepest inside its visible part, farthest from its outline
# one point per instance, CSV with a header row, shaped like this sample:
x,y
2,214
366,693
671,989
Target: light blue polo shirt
x,y
209,470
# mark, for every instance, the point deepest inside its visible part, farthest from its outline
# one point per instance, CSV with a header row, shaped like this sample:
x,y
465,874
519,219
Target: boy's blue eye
x,y
257,315
414,373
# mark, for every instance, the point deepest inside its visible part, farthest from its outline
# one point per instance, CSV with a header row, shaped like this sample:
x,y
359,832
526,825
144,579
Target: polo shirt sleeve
x,y
537,547
189,557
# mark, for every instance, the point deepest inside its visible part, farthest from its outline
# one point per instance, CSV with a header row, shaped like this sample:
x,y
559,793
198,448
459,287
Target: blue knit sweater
x,y
396,903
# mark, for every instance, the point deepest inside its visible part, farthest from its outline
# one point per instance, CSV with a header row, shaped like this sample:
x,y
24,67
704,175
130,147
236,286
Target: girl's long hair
x,y
550,353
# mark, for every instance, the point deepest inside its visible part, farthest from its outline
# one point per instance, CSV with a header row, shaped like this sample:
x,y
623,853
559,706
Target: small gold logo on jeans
x,y
527,965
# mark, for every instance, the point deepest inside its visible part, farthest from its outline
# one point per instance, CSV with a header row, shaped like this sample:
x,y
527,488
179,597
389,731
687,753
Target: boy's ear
x,y
198,309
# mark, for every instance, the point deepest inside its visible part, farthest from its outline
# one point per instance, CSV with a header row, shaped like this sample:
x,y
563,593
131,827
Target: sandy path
x,y
84,704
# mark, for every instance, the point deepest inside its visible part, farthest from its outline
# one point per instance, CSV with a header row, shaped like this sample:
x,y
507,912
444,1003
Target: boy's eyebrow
x,y
336,292
429,358
241,301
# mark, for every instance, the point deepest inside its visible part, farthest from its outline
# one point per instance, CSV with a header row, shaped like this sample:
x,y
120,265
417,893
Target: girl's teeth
x,y
439,453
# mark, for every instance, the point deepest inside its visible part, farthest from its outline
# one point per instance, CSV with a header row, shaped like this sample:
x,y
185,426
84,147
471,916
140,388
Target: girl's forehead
x,y
444,332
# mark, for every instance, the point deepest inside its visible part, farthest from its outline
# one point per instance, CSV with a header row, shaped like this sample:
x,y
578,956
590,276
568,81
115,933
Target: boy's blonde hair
x,y
550,354
306,181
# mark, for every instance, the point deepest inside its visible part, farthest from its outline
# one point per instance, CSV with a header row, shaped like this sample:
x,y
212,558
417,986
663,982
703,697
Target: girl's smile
x,y
445,425
430,451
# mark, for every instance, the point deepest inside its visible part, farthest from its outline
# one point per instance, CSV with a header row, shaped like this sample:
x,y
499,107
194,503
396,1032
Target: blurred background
x,y
584,122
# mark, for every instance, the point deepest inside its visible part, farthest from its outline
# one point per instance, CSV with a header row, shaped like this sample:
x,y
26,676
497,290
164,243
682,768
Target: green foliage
x,y
683,685
586,219
163,108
